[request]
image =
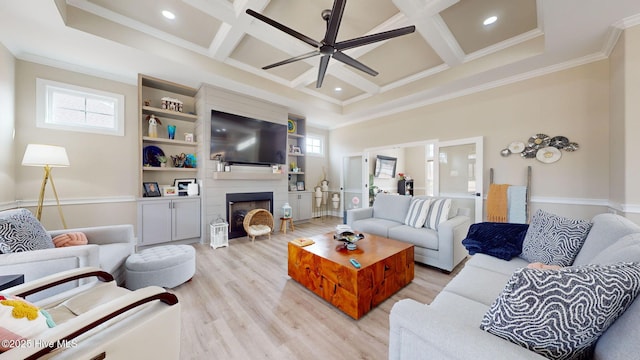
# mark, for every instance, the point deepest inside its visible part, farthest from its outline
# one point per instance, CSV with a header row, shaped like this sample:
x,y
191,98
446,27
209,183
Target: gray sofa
x,y
441,248
108,247
449,327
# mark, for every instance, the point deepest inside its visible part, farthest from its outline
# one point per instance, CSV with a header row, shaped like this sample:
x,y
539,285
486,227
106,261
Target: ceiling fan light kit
x,y
328,47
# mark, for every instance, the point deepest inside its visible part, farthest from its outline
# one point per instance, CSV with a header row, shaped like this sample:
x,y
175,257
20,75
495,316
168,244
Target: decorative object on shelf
x,y
150,154
193,189
151,189
218,164
300,185
291,126
183,185
46,156
219,232
147,102
169,190
169,103
190,161
542,147
178,160
188,137
171,130
296,150
163,160
286,211
153,125
335,201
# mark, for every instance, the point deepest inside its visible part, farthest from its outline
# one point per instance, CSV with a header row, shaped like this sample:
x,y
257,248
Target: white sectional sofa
x,y
449,327
440,247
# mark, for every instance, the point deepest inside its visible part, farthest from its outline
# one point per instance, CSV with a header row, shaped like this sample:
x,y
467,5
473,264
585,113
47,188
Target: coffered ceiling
x,y
216,42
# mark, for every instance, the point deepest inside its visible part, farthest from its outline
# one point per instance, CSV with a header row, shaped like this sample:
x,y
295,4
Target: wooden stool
x,y
283,224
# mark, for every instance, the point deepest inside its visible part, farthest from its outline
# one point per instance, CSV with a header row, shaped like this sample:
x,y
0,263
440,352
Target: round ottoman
x,y
166,266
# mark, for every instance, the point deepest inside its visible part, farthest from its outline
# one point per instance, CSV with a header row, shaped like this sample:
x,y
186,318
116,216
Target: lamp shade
x,y
42,155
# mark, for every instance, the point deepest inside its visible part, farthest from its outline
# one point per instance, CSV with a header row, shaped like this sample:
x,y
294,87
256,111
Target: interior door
x,y
460,172
355,192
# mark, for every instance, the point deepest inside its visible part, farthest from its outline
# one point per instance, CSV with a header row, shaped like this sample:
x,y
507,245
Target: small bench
x,y
167,266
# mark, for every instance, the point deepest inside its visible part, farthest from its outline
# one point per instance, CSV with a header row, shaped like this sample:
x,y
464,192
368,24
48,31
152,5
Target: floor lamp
x,y
47,156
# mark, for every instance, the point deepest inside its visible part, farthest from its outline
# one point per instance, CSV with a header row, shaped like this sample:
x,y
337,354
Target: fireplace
x,y
239,204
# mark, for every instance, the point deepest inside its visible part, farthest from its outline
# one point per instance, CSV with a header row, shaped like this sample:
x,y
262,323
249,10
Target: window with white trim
x,y
315,145
74,108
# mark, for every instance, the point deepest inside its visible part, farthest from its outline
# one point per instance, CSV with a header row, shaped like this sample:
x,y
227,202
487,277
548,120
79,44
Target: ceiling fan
x,y
328,47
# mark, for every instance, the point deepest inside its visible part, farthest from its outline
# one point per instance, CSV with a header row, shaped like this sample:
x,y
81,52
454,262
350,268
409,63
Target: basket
x,y
258,222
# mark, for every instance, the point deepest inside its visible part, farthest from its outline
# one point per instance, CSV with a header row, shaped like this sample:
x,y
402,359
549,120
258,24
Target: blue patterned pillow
x,y
553,239
560,314
21,231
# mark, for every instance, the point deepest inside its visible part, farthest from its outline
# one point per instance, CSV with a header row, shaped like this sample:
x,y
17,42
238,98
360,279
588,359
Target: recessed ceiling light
x,y
338,89
168,14
490,20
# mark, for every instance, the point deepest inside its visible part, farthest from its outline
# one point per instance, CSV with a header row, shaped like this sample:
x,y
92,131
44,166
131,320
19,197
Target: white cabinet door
x,y
154,222
186,219
305,206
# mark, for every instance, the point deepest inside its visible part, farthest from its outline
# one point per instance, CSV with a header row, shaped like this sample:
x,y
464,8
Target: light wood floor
x,y
242,305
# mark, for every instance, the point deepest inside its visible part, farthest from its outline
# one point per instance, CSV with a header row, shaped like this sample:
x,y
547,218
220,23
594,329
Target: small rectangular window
x,y
315,145
68,107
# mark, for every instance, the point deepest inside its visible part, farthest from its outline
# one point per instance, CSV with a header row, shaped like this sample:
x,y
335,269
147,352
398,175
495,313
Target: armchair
x,y
101,320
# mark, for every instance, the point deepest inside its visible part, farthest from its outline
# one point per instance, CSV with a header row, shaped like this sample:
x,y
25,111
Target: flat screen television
x,y
243,140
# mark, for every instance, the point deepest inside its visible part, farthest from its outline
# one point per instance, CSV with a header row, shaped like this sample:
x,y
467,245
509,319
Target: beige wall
x,y
7,125
573,103
317,167
100,186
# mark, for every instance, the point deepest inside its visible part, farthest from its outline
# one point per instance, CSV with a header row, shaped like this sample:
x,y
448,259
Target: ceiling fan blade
x,y
342,57
324,62
293,59
284,28
369,39
334,22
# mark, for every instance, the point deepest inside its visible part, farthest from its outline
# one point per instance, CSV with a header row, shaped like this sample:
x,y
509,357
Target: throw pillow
x,y
70,239
438,213
417,214
21,231
19,320
560,314
553,239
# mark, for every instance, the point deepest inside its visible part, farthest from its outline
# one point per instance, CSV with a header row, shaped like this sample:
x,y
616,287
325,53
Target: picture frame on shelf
x,y
151,189
300,185
169,191
293,187
182,185
296,150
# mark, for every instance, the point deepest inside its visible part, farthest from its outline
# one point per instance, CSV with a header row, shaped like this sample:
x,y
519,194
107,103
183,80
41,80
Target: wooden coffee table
x,y
324,268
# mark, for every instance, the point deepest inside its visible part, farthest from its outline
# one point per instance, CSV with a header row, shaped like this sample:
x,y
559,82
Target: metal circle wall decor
x,y
542,147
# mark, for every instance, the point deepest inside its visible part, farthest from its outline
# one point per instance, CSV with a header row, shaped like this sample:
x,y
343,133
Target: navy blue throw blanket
x,y
501,240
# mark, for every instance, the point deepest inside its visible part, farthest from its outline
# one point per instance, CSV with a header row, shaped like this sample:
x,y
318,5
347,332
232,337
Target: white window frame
x,y
44,119
323,145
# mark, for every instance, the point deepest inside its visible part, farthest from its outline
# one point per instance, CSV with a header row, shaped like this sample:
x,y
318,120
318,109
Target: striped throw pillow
x,y
438,213
417,214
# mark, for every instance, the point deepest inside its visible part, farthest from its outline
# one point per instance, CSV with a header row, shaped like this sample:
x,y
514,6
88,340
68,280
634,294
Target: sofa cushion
x,y
478,284
553,239
113,256
498,265
21,231
417,214
560,314
606,230
438,213
627,249
425,238
374,226
391,207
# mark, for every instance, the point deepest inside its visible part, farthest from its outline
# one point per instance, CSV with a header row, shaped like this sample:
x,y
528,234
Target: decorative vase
x,y
153,127
171,129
